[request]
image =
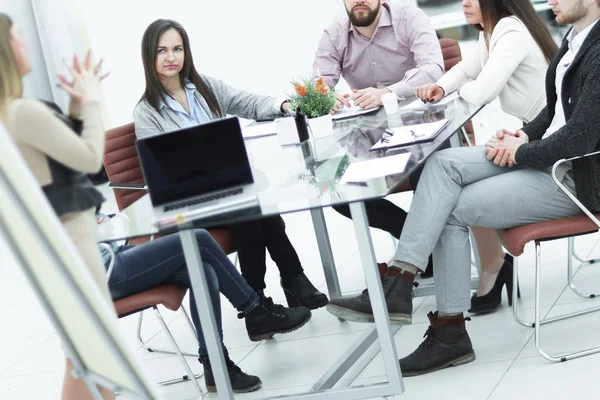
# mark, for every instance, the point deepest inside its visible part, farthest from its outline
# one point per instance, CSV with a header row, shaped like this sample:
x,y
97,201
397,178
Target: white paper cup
x,y
390,102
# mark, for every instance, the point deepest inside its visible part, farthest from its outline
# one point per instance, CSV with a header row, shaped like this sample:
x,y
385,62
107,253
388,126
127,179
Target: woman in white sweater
x,y
513,53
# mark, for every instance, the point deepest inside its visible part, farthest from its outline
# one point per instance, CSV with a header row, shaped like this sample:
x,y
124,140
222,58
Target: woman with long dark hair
x,y
513,53
176,97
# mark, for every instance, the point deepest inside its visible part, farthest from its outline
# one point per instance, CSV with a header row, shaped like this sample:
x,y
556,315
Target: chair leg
x,y
571,276
538,322
583,260
189,374
154,349
515,297
189,321
466,136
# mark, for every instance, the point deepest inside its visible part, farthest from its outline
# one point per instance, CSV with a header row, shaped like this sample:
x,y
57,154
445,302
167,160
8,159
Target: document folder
x,y
409,135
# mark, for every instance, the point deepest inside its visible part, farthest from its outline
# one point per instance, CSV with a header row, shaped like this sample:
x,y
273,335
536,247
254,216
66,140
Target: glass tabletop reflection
x,y
298,177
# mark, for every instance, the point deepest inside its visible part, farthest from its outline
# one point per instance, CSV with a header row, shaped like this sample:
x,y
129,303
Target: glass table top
x,y
298,177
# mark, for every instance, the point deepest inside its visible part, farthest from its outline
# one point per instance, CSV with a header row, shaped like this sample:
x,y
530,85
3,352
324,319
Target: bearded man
x,y
380,48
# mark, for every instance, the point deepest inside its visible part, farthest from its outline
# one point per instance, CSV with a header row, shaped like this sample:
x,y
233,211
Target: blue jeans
x,y
142,267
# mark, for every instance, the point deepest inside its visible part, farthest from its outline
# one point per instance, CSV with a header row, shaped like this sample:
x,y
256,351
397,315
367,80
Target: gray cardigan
x,y
148,121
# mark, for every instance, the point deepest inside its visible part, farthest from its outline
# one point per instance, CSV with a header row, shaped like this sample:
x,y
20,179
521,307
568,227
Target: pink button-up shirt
x,y
403,53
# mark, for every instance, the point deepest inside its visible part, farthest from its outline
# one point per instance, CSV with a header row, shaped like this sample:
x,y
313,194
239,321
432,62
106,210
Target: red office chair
x,y
515,239
122,166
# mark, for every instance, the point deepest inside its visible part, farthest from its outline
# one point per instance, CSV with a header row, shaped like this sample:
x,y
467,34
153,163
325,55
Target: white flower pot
x,y
321,126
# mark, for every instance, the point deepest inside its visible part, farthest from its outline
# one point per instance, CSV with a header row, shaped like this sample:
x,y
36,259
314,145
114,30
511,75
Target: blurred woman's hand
x,y
85,84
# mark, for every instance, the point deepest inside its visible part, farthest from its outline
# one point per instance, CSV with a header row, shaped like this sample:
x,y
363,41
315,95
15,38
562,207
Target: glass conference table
x,y
307,177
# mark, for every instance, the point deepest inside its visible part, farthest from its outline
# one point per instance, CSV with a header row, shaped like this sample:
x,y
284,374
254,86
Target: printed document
x,y
364,170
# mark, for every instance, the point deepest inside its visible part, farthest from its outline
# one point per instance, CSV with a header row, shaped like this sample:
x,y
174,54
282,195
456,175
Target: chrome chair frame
x,y
189,376
536,324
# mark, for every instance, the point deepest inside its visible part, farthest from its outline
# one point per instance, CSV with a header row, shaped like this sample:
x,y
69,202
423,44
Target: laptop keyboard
x,y
203,199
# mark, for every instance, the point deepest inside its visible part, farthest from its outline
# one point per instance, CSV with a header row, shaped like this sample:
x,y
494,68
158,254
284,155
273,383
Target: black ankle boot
x,y
398,297
446,343
300,292
268,319
491,300
240,381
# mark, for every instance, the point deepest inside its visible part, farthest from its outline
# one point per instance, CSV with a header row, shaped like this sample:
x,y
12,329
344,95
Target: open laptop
x,y
198,171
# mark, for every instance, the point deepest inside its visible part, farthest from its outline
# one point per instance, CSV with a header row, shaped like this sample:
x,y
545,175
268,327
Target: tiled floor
x,y
507,364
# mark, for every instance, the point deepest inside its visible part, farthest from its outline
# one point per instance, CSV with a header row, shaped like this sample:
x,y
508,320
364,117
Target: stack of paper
x,y
410,134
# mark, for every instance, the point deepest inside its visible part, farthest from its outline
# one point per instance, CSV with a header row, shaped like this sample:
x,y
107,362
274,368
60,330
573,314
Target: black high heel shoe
x,y
493,298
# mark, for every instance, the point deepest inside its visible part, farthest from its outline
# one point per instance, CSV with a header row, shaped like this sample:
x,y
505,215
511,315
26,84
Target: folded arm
x,y
579,136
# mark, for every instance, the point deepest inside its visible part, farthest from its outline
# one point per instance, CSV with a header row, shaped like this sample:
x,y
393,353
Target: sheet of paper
x,y
259,130
419,103
364,170
351,112
406,135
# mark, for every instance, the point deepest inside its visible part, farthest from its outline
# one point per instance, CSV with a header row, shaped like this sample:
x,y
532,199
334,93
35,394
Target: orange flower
x,y
321,87
301,90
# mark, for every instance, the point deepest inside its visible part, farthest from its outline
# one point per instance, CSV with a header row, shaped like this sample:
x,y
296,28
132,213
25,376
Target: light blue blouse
x,y
197,114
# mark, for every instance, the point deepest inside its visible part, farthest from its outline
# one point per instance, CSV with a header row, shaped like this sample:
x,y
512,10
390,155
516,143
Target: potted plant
x,y
314,98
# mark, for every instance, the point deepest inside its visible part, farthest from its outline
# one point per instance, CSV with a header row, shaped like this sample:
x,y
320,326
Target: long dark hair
x,y
493,11
155,92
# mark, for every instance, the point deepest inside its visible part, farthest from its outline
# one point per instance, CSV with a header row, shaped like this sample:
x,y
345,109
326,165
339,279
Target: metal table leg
x,y
205,311
350,358
380,312
331,277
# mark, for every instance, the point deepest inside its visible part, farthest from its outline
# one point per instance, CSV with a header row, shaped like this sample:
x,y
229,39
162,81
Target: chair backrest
x,y
122,164
84,320
450,52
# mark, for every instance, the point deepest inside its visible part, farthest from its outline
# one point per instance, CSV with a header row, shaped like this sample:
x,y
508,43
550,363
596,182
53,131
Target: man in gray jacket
x,y
506,183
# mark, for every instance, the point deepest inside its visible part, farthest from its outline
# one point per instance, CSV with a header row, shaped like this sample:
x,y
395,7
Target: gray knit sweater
x,y
149,121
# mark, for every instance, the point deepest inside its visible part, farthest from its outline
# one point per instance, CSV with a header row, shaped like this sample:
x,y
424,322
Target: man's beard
x,y
362,21
577,13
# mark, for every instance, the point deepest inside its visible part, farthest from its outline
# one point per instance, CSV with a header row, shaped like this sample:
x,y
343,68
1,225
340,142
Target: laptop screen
x,y
194,161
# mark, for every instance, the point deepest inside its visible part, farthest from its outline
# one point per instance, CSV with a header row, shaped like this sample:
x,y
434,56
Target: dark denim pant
x,y
142,267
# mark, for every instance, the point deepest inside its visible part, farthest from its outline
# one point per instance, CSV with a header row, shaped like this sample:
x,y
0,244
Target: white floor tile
x,y
538,379
47,357
298,362
13,350
470,381
572,334
40,386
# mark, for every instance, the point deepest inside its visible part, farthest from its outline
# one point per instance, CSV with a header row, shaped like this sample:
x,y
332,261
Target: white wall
x,y
37,83
254,45
59,41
